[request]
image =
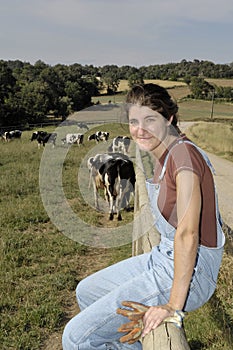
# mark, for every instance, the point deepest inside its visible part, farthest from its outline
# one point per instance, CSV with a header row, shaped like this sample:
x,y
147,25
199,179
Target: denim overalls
x,y
208,259
145,278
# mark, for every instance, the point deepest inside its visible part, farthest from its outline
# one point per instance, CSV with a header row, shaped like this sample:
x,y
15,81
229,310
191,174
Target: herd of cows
x,y
112,171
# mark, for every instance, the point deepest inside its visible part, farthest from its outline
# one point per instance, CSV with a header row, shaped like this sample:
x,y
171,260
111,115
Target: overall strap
x,y
206,158
204,155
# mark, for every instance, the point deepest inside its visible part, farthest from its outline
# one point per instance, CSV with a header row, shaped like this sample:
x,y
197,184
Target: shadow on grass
x,y
196,345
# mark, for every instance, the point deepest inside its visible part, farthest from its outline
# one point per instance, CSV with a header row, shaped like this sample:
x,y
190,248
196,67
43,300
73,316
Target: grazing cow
x,y
93,164
120,144
44,137
82,125
99,136
115,174
71,139
10,135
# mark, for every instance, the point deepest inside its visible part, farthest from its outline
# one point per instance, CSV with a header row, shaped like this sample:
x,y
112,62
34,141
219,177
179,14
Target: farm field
x,y
40,267
188,109
201,110
177,90
221,82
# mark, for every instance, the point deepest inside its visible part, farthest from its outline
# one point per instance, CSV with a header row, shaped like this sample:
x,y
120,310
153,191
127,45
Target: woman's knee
x,y
67,342
82,294
86,293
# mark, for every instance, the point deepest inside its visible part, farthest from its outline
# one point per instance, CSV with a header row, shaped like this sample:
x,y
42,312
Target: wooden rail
x,y
167,336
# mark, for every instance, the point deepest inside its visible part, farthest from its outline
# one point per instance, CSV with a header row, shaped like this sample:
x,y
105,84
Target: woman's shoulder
x,y
185,155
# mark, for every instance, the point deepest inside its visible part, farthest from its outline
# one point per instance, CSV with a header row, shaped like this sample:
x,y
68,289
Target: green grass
x,y
201,110
211,326
214,137
188,109
40,267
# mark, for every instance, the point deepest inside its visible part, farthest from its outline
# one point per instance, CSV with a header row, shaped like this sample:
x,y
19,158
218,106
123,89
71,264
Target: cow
x,y
93,164
71,139
44,137
10,135
99,136
120,144
82,125
115,174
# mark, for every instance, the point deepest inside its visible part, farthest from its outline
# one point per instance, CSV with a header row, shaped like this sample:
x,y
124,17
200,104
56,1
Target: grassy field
x,y
215,137
188,109
177,89
40,267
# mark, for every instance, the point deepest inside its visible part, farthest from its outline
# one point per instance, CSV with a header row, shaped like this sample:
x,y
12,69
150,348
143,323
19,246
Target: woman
x,y
179,274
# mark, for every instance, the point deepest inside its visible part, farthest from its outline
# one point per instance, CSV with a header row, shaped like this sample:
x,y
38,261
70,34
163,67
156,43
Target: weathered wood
x,y
145,235
167,336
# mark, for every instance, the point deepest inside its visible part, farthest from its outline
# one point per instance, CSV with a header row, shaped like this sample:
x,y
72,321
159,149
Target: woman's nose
x,y
141,129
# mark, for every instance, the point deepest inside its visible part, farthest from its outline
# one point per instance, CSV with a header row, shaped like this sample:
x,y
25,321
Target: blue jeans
x,y
146,278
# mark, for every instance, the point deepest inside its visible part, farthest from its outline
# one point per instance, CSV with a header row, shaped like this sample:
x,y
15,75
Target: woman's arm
x,y
185,248
186,237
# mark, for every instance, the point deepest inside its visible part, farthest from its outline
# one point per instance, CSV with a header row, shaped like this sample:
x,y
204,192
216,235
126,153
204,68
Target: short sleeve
x,y
185,157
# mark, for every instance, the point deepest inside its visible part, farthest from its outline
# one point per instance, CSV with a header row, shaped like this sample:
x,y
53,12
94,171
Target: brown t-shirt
x,y
184,156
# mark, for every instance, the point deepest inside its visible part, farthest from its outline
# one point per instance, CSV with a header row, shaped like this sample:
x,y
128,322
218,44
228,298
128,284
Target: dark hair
x,y
155,97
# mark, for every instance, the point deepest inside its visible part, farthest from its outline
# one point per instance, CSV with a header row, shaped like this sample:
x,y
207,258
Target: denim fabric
x,y
100,294
146,278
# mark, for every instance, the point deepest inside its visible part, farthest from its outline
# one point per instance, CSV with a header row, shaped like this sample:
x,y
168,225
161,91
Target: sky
x,y
120,32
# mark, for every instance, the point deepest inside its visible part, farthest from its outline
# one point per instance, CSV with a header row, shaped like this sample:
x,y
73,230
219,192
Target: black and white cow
x,y
99,136
71,139
115,174
43,137
10,135
120,144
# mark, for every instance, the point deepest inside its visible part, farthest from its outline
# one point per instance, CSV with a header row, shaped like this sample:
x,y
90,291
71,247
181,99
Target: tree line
x,y
28,93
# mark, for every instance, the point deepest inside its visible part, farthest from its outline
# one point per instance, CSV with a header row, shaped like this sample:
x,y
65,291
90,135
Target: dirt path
x,y
224,184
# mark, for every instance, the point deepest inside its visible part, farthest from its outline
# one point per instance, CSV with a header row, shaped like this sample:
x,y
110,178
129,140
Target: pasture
x,y
40,266
188,109
215,137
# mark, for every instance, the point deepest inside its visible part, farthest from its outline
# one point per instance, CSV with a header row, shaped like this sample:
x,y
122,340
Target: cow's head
x,y
34,135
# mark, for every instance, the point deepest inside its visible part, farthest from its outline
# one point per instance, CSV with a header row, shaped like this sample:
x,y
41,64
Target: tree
x,y
78,94
7,81
110,77
200,88
54,87
35,100
135,79
7,88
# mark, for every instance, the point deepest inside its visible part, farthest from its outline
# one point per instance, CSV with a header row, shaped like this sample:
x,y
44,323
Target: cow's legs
x,y
111,207
118,204
96,197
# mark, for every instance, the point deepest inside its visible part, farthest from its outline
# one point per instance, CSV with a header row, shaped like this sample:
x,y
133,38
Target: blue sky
x,y
121,32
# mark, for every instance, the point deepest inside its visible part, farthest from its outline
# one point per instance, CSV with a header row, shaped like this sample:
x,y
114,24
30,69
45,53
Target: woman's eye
x,y
150,120
133,122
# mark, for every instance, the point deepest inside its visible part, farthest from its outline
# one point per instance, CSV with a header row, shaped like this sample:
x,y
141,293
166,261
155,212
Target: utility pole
x,y
212,105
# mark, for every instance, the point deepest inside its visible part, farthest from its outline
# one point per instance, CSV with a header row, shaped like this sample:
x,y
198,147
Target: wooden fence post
x,y
167,336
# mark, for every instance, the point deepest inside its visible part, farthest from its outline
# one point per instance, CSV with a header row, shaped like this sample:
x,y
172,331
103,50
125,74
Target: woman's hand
x,y
144,318
154,316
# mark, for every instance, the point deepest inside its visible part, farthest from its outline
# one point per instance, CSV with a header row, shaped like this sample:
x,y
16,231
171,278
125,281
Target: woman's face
x,y
148,128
